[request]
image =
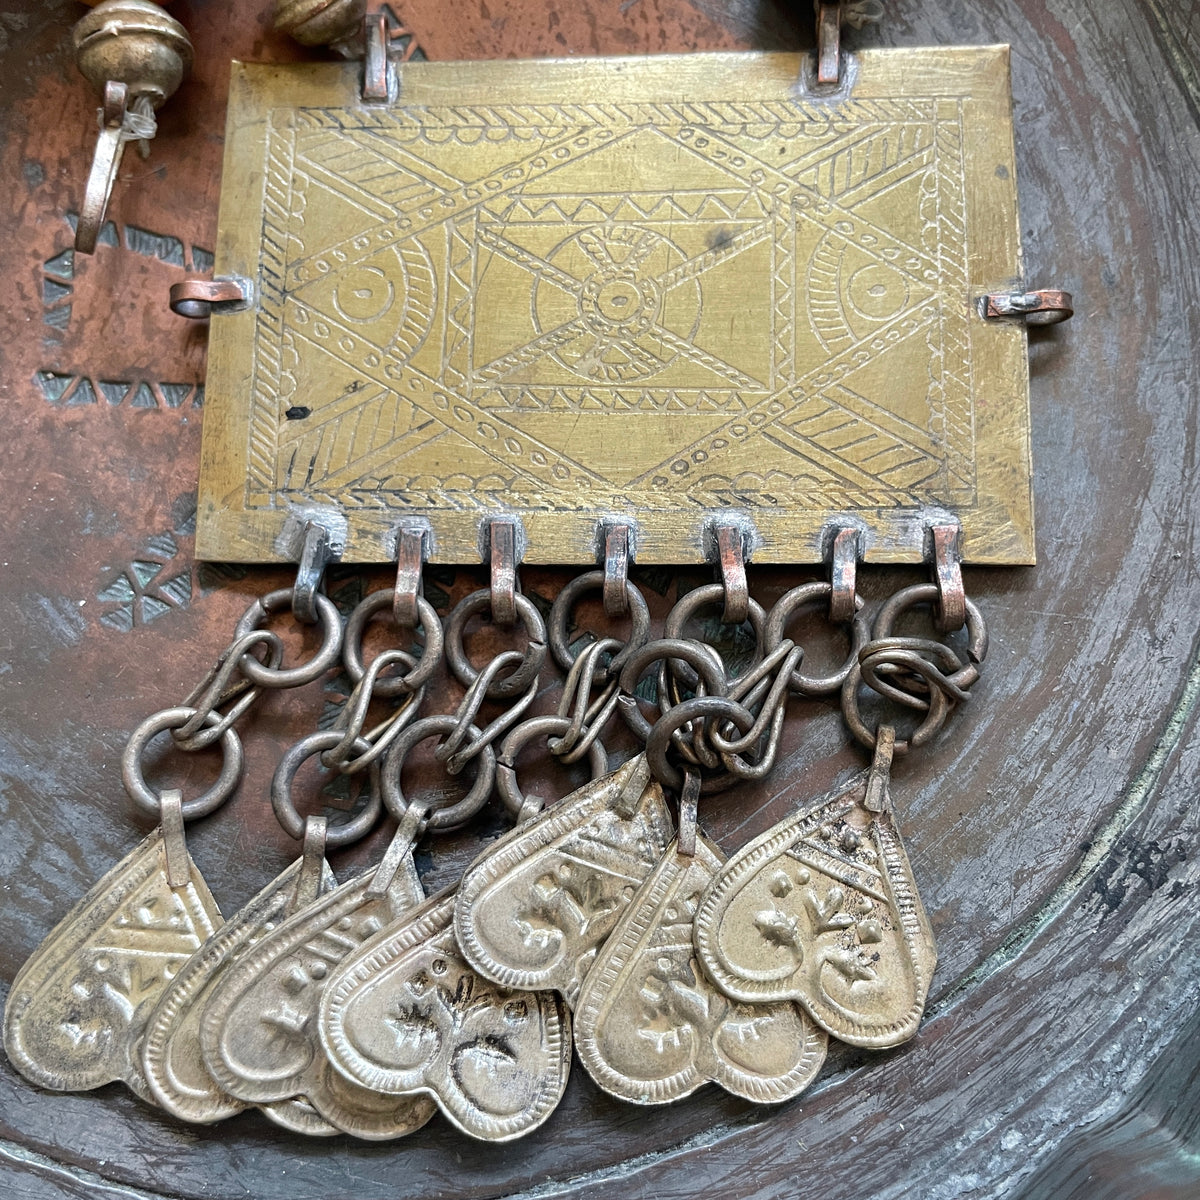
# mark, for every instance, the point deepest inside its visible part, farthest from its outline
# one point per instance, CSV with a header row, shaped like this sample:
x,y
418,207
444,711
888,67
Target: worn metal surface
x,y
664,287
1051,831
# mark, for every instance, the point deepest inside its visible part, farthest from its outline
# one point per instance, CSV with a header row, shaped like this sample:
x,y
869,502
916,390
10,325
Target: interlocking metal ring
x,y
700,656
535,651
560,615
199,806
927,593
686,606
356,626
506,771
285,807
777,621
697,708
447,815
328,618
935,718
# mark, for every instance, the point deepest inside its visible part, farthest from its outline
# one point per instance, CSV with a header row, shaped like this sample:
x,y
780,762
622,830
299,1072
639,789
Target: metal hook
x,y
505,550
110,145
731,540
946,558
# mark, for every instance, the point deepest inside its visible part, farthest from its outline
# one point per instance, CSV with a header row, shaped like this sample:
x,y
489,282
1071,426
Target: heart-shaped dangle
x,y
823,909
171,1054
78,1007
532,911
258,1029
408,1015
650,1026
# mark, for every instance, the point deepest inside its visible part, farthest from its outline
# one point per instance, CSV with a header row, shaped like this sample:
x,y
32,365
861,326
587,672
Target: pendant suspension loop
x,y
199,806
618,554
316,554
876,799
410,563
843,570
411,828
731,563
689,797
285,806
947,574
520,805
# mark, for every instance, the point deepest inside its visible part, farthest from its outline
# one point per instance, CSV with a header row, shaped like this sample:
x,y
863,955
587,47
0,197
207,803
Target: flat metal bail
x,y
843,570
505,551
198,299
312,862
179,870
946,555
110,146
877,798
412,548
375,58
315,555
618,554
689,799
730,538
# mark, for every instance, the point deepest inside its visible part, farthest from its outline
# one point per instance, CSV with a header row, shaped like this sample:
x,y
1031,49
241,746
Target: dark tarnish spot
x,y
298,413
719,238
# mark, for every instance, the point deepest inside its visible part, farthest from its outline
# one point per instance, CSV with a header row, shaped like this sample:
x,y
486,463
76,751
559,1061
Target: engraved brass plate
x,y
659,287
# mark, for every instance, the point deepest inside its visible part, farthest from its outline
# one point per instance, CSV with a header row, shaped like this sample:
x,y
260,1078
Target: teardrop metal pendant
x,y
650,1026
823,909
79,1006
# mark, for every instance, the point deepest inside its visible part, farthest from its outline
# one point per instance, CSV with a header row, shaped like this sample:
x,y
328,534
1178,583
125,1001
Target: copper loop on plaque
x,y
316,553
410,565
198,299
375,58
731,563
617,557
829,31
843,569
503,559
947,574
1046,306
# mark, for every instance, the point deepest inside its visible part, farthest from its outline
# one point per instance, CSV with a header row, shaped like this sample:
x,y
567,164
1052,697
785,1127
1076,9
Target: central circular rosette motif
x,y
622,301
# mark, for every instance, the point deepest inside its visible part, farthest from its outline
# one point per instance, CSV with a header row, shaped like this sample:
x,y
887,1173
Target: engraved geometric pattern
x,y
743,283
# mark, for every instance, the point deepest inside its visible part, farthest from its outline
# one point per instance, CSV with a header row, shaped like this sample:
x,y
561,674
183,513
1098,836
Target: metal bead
x,y
135,43
320,22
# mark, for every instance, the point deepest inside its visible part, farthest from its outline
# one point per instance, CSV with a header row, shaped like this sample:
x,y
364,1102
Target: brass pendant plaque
x,y
661,288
